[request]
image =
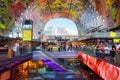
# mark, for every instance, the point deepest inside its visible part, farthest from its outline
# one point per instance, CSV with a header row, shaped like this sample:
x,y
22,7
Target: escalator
x,y
79,72
58,72
48,61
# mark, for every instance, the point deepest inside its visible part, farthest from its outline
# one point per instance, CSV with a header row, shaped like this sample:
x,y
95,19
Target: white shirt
x,y
15,48
106,50
118,46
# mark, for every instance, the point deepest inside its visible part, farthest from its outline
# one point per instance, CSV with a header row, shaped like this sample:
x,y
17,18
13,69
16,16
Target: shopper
x,y
107,52
113,53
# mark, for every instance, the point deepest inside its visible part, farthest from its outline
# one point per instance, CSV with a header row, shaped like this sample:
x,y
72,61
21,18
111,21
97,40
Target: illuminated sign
x,y
27,35
116,40
112,34
27,26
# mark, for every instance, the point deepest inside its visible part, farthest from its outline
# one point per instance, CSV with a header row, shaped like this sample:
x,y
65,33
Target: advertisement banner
x,y
27,35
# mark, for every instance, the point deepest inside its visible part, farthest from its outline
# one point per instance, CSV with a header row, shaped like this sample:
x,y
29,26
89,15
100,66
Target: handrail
x,y
11,63
53,58
92,52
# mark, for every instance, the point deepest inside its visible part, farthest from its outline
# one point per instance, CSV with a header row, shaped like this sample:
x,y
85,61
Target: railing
x,y
105,35
11,63
92,52
58,61
61,57
61,76
48,61
7,53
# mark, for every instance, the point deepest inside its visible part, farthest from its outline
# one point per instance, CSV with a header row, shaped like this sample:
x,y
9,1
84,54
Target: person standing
x,y
117,56
107,52
113,53
14,50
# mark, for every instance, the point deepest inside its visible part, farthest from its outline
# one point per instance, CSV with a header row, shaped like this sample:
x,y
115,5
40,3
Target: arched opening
x,y
60,27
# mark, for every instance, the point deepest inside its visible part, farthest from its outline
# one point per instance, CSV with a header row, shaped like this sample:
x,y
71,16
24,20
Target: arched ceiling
x,y
89,15
60,8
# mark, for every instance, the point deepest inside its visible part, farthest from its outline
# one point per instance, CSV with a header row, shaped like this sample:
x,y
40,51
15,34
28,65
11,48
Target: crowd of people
x,y
109,52
60,47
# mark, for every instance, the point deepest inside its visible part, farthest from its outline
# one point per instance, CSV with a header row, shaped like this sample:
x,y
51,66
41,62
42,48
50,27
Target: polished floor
x,y
83,73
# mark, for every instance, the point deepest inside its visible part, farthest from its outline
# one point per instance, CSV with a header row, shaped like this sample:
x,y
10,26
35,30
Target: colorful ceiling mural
x,y
58,8
110,10
89,15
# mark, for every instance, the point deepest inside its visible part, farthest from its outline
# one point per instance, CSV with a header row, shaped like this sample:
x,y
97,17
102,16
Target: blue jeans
x,y
98,54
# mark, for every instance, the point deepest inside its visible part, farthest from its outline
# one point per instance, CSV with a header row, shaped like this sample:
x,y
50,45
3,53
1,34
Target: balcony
x,y
13,62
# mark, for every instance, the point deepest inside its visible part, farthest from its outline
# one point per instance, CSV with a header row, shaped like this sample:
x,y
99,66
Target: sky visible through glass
x,y
60,26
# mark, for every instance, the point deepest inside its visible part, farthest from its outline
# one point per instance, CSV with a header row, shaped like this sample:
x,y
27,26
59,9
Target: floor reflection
x,y
82,73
